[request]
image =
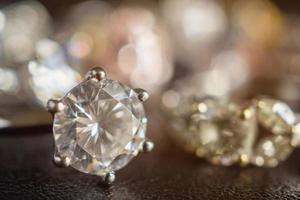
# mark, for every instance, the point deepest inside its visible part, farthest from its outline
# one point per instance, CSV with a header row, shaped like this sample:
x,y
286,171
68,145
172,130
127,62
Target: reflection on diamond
x,y
271,150
101,128
277,120
275,115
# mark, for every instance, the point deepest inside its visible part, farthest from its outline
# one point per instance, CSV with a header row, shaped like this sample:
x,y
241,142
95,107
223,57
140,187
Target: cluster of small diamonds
x,y
262,132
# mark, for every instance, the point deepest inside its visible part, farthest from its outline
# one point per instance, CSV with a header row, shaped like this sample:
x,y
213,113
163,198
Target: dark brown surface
x,y
26,172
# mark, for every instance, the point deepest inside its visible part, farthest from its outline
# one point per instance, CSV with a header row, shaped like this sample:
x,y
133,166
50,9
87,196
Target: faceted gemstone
x,y
271,150
275,116
275,122
223,133
101,128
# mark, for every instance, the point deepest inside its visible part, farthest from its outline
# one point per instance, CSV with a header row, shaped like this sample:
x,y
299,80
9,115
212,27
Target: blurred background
x,y
228,48
231,49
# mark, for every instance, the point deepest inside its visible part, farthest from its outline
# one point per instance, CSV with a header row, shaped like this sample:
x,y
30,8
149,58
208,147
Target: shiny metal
x,y
143,95
109,178
60,161
148,146
96,73
54,105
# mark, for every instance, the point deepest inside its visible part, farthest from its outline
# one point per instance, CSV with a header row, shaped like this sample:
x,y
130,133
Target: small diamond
x,y
271,150
262,133
220,134
101,128
275,115
275,123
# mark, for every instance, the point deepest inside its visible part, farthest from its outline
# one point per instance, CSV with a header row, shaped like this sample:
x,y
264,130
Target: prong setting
x,y
96,73
109,178
54,105
148,146
108,91
61,162
142,94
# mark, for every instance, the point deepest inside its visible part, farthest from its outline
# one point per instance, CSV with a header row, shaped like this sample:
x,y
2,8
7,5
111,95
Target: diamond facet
x,y
101,128
275,123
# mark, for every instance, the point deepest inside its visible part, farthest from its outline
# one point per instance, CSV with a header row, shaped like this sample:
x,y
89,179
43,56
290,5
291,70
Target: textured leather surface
x,y
26,172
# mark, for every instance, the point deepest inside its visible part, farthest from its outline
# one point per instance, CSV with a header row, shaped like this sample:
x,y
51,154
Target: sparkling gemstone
x,y
275,124
101,128
223,132
275,115
271,150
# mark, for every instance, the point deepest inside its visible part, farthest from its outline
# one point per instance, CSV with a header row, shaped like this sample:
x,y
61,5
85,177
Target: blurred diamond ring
x,y
263,131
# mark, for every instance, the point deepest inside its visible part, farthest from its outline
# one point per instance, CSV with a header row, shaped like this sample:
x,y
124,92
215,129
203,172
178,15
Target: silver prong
x,y
148,146
143,95
109,178
54,105
61,161
96,73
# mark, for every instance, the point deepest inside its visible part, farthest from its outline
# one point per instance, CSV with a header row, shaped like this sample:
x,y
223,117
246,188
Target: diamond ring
x,y
99,126
262,132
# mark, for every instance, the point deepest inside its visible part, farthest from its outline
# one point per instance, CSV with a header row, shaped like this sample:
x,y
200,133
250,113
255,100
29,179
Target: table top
x,y
27,172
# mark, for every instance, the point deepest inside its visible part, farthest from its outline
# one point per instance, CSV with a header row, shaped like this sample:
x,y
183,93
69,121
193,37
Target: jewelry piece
x,y
99,126
262,132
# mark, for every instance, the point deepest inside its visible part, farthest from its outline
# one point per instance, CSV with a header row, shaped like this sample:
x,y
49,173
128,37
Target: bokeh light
x,y
129,42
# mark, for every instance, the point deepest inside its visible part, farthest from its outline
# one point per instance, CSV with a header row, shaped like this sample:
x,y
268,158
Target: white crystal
x,y
271,150
101,128
275,116
275,122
